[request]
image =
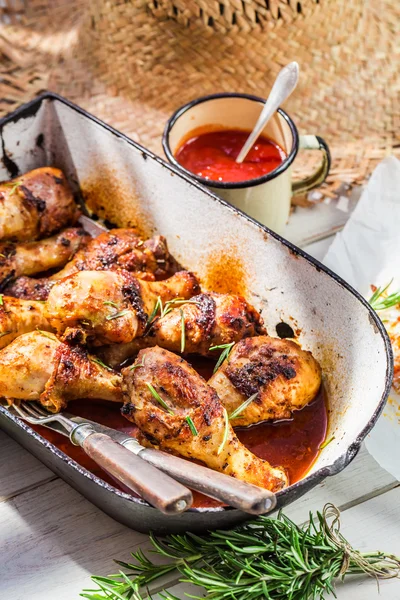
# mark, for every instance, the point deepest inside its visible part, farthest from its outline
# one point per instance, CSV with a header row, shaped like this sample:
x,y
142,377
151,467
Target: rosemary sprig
x,y
183,332
44,333
242,407
14,185
141,364
226,350
157,307
326,443
99,362
116,315
226,432
192,426
1,300
111,303
169,305
379,301
157,396
264,559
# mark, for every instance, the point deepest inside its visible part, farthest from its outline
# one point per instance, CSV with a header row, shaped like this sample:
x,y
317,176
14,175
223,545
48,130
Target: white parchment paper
x,y
367,252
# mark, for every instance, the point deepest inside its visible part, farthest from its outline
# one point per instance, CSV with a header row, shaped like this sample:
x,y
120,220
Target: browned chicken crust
x,y
37,366
111,306
122,249
209,320
36,205
284,377
29,258
29,288
185,394
20,316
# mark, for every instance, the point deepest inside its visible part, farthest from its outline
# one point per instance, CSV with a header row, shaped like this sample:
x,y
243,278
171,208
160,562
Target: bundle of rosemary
x,y
267,558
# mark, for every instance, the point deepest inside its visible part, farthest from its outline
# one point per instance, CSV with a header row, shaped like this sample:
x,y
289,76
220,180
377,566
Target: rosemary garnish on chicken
x,y
381,300
267,558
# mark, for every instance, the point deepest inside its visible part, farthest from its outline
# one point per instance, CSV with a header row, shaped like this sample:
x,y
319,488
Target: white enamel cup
x,y
267,198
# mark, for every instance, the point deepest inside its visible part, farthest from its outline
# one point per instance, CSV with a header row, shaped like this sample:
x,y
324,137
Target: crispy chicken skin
x,y
28,258
20,316
122,249
36,205
111,306
29,288
209,320
113,250
186,394
285,377
37,366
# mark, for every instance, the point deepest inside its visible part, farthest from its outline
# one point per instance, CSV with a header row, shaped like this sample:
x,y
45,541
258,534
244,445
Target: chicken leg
x,y
111,306
37,366
20,316
177,411
36,205
279,375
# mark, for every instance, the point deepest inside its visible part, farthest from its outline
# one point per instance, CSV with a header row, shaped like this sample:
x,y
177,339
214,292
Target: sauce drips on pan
x,y
293,443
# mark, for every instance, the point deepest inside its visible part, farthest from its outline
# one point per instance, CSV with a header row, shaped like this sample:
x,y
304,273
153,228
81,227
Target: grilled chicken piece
x,y
36,205
37,366
209,320
284,377
186,396
115,249
20,316
28,258
122,249
29,288
110,306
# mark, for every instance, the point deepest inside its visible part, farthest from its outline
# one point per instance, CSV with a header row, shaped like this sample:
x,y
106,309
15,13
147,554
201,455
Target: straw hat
x,y
134,62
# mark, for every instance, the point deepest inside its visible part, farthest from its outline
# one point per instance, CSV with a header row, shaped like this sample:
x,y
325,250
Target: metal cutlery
x,y
160,490
239,494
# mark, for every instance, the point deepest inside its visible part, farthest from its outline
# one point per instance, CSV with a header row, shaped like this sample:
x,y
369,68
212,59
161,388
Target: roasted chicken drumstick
x,y
177,411
114,249
28,258
36,205
37,366
277,373
20,316
111,306
207,320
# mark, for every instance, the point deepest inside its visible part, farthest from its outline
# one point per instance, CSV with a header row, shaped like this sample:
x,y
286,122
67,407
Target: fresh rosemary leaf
x,y
226,350
44,333
379,301
122,313
192,426
111,303
133,367
1,300
14,185
157,396
183,333
242,407
157,307
226,432
326,443
99,362
265,559
3,255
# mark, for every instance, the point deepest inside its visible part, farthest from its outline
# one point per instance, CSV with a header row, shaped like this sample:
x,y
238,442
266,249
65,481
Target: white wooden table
x,y
52,539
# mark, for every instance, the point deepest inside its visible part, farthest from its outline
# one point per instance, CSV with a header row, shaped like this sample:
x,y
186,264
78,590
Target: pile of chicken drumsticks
x,y
116,297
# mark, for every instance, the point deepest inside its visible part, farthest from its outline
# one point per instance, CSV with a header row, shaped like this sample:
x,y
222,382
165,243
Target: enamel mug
x,y
267,199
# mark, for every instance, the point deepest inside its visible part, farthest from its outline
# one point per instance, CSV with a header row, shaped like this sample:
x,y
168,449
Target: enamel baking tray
x,y
127,185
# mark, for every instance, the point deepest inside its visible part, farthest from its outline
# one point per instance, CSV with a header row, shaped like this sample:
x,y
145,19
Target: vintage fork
x,y
160,490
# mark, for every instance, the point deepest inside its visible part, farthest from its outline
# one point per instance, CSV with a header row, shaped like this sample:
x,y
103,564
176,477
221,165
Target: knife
x,y
245,496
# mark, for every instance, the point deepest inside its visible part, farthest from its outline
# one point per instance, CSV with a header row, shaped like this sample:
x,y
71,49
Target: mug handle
x,y
313,142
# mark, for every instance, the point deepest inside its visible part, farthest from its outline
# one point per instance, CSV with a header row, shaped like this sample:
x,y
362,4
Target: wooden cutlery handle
x,y
231,491
160,490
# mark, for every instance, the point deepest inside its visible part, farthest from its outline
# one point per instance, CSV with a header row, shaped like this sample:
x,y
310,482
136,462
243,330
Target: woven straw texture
x,y
132,63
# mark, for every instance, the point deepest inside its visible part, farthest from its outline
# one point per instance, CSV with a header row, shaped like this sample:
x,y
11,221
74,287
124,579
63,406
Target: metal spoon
x,y
284,85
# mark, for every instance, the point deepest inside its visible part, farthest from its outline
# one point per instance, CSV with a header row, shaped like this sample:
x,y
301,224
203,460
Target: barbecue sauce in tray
x,y
292,443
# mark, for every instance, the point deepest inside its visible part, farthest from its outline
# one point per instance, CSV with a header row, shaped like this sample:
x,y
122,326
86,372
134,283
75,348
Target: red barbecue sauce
x,y
292,443
212,155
